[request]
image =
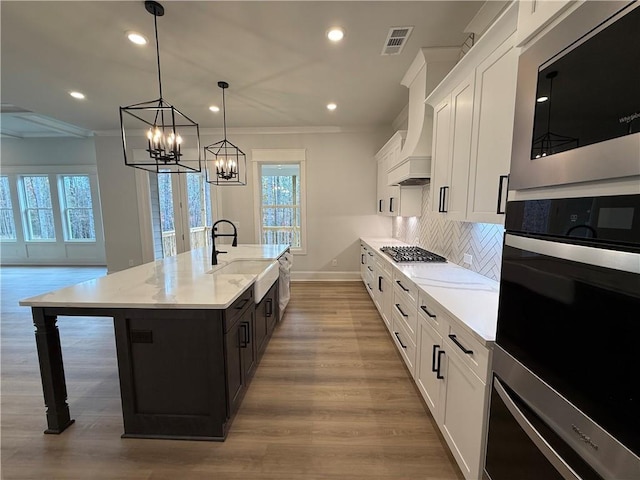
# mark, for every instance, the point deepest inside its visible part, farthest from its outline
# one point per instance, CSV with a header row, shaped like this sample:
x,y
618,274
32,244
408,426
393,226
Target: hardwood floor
x,y
331,399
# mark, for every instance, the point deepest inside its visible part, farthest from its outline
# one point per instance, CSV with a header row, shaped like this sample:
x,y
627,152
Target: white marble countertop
x,y
176,282
468,296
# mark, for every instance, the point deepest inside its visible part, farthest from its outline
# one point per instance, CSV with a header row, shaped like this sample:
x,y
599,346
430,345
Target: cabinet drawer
x,y
406,314
383,264
405,288
430,310
237,308
475,355
406,345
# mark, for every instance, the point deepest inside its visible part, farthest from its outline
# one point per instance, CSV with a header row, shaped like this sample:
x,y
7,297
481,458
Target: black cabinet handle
x,y
244,342
380,206
391,204
500,185
268,307
460,346
439,376
440,200
398,337
433,358
400,310
370,269
368,285
379,283
370,254
362,258
424,309
443,199
241,306
402,286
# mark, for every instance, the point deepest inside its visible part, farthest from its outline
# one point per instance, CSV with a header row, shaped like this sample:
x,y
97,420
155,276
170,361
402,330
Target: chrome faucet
x,y
214,235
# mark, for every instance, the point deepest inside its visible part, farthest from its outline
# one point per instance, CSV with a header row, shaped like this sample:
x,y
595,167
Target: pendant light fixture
x,y
225,163
155,133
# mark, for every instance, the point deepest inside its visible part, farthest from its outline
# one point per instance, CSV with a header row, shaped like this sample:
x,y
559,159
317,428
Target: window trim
x,y
11,210
64,209
280,156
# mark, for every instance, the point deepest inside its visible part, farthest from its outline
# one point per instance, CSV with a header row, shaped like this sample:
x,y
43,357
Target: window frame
x,y
64,208
26,210
11,211
280,157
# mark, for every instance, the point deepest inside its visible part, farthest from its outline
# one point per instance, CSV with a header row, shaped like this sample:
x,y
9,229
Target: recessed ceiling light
x,y
77,95
335,34
214,109
542,99
137,38
331,106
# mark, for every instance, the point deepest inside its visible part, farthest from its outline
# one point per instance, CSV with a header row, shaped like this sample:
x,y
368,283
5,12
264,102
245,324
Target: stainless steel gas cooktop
x,y
411,254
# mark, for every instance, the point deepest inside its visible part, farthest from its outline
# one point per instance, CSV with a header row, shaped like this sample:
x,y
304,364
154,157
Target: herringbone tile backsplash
x,y
452,240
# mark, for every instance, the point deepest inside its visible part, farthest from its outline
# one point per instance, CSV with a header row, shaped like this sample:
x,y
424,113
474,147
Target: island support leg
x,y
51,371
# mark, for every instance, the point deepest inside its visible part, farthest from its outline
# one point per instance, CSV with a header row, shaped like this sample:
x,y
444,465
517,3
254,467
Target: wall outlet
x,y
468,259
416,241
334,262
131,262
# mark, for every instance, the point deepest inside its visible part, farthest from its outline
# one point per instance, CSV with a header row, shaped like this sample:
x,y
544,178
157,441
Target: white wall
x,y
341,197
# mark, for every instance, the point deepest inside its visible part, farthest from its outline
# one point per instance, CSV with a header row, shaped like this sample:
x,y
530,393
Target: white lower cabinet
x,y
450,367
454,392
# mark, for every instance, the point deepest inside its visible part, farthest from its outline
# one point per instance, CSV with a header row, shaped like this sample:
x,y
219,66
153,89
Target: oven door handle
x,y
550,454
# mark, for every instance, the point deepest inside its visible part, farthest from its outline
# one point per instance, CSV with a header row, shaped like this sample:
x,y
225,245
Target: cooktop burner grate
x,y
412,254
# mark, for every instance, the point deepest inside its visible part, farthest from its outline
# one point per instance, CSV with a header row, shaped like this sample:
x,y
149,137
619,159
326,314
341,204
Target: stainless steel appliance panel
x,y
613,158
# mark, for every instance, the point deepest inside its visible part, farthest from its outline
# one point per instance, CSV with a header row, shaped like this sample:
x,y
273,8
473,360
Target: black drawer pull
x,y
439,376
362,259
242,304
370,269
462,347
398,337
370,254
400,310
402,286
433,358
380,283
424,309
380,206
268,307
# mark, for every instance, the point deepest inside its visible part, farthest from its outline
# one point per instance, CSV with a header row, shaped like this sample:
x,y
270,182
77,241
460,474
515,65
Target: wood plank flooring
x,y
331,399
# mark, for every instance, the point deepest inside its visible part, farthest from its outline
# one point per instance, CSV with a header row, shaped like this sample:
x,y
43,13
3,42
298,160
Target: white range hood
x,y
428,69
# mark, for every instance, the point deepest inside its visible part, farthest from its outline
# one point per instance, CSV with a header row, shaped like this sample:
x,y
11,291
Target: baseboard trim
x,y
325,276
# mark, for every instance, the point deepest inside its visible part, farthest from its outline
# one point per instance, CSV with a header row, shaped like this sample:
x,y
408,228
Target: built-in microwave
x,y
577,114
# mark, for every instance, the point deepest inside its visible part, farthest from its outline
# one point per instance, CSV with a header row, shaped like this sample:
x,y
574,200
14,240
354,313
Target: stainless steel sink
x,y
267,272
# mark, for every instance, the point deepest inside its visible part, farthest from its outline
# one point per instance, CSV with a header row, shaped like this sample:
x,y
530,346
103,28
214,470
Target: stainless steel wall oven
x,y
566,385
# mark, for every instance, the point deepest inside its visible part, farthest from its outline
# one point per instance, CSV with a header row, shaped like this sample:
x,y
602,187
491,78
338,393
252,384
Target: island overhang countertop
x,y
183,281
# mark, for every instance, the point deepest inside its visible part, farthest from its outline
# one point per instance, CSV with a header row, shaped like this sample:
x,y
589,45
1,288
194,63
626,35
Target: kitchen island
x,y
185,339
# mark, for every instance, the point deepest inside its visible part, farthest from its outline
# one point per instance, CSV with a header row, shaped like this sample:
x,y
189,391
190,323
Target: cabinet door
x,y
261,324
463,401
233,357
394,200
363,262
248,348
429,345
440,157
534,15
271,308
381,205
455,198
495,96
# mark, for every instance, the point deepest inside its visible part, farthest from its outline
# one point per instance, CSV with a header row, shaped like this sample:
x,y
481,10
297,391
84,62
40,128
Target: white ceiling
x,y
281,68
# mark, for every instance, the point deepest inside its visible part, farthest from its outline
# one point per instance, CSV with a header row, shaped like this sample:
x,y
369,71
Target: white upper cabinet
x,y
534,15
495,97
473,126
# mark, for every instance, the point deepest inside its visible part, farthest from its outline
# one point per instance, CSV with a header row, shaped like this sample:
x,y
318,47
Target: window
x,y
38,211
279,199
198,201
280,204
77,208
7,222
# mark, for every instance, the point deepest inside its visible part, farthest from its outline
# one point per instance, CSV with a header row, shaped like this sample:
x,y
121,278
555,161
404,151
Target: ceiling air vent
x,y
396,40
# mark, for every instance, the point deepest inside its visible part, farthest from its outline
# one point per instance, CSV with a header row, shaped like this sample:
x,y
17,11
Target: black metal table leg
x,y
51,371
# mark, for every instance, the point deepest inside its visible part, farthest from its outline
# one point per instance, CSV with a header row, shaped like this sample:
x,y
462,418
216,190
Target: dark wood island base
x,y
183,372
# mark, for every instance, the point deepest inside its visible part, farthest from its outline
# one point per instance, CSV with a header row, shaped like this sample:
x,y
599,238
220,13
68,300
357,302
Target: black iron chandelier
x,y
161,150
225,163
